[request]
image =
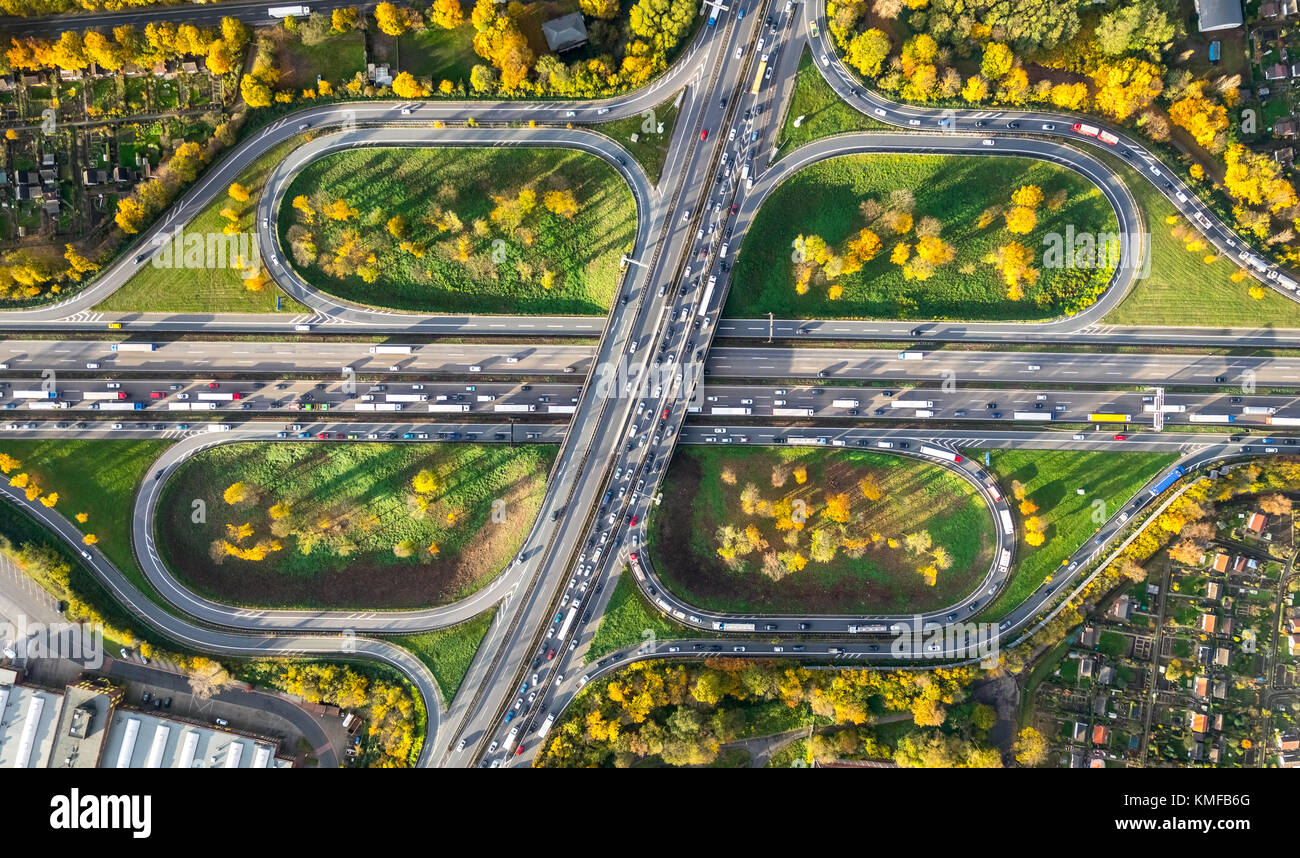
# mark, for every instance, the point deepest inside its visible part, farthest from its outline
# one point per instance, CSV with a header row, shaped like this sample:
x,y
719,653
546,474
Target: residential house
x,y
1214,15
1221,560
1207,623
1221,656
1257,522
1286,127
1086,665
565,32
1199,722
1100,734
1123,608
1277,71
1212,589
1201,687
93,177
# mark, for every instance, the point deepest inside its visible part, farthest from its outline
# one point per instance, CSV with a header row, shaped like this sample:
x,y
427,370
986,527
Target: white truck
x,y
844,403
406,397
515,407
912,403
448,409
792,412
289,11
380,406
390,350
730,410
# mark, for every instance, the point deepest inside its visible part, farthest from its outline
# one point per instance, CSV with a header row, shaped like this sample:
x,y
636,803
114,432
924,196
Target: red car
x,y
1121,437
157,394
633,520
704,134
665,414
323,435
735,207
550,654
519,750
212,385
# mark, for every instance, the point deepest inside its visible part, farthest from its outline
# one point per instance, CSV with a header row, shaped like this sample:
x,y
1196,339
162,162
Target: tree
x,y
254,91
447,14
604,9
392,20
1030,747
130,215
997,60
344,19
867,51
237,493
237,192
425,482
207,677
1021,220
1137,26
976,89
406,86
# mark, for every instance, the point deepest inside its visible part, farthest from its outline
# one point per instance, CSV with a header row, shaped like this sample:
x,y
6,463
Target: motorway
x,y
326,360
301,401
630,423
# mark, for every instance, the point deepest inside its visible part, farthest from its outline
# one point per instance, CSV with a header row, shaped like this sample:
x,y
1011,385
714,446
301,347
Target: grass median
x,y
338,526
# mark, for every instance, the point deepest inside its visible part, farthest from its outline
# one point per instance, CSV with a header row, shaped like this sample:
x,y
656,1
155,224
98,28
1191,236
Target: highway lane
x,y
302,401
327,360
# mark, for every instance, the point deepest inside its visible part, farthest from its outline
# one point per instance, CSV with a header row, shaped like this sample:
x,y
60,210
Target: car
x,y
704,134
880,111
1220,379
1049,127
988,141
113,385
826,61
913,122
1121,437
1013,124
212,385
221,722
550,655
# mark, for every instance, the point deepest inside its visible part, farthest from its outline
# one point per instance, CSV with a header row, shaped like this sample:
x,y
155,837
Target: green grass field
x,y
823,200
627,617
448,652
336,59
98,478
651,147
703,493
208,290
1052,478
452,255
438,54
1181,288
823,112
355,532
